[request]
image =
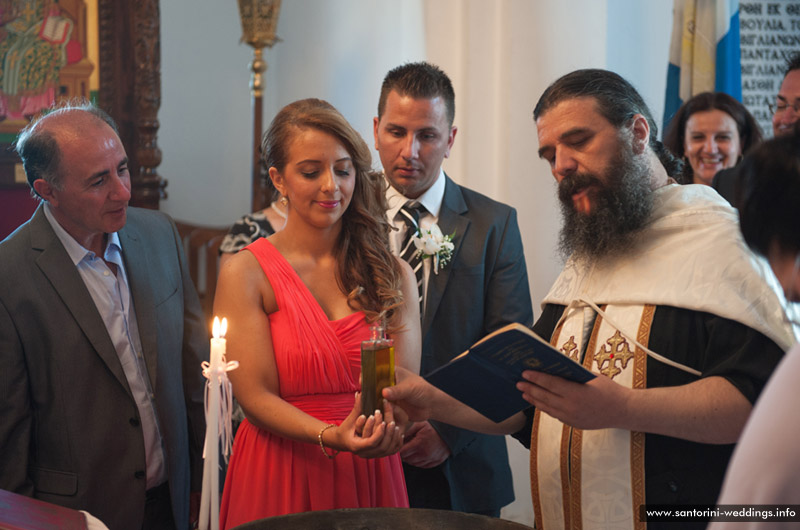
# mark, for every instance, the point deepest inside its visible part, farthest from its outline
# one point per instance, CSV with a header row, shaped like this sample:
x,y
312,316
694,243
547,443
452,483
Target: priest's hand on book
x,y
598,404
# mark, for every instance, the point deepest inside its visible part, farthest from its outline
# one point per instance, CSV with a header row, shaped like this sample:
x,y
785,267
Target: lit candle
x,y
218,342
209,501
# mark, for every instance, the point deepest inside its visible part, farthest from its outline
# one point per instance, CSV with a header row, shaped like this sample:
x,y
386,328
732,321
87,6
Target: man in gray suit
x,y
101,338
483,287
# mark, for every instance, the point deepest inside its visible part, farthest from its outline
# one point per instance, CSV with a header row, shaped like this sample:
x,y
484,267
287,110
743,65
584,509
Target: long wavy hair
x,y
367,270
746,125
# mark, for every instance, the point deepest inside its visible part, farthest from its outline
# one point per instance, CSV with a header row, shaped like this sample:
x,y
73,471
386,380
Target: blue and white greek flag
x,y
704,54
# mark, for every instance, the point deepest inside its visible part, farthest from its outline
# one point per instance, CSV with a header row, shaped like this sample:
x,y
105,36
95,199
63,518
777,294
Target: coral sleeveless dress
x,y
319,362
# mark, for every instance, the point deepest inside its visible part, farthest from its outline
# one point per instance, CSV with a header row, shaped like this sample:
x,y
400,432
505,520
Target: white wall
x,y
204,111
500,55
638,48
338,50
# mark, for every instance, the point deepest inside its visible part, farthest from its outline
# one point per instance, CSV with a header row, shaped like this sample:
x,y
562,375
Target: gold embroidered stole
x,y
595,478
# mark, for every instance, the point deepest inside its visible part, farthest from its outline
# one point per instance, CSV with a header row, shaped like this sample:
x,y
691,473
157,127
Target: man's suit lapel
x,y
136,267
451,219
55,264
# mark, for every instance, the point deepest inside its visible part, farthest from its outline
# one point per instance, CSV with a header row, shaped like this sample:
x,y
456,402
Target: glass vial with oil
x,y
377,369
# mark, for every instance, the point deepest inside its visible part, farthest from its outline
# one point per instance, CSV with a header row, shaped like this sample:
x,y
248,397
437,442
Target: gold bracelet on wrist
x,y
322,445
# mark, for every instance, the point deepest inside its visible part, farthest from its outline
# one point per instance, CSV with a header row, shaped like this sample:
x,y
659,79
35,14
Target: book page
x,y
508,327
54,29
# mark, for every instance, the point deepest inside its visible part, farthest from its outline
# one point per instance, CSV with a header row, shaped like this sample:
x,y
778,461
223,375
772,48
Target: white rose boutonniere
x,y
433,244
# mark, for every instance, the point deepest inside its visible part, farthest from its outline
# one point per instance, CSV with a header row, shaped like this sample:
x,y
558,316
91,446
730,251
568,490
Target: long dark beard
x,y
620,206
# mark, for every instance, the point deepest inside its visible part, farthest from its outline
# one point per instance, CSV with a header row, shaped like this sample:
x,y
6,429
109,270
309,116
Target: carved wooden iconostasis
x,y
104,49
130,88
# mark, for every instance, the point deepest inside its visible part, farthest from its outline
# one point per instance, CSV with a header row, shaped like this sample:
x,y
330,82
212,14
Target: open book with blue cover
x,y
484,377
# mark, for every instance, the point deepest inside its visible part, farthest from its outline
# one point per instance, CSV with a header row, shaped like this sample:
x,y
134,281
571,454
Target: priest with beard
x,y
660,297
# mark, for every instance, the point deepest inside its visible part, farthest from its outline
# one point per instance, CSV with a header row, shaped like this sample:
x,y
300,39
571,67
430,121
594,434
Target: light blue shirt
x,y
112,297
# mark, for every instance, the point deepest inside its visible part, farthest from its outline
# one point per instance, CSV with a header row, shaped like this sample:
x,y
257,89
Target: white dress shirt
x,y
432,201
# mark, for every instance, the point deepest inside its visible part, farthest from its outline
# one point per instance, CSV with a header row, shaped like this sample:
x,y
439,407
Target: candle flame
x,y
219,330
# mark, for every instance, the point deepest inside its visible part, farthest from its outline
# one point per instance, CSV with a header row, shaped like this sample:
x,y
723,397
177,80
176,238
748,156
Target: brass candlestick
x,y
259,20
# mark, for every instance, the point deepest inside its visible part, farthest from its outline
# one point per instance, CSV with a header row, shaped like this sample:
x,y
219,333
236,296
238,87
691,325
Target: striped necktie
x,y
410,213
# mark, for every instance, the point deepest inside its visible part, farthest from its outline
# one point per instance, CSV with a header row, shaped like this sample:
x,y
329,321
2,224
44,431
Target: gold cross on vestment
x,y
619,352
570,349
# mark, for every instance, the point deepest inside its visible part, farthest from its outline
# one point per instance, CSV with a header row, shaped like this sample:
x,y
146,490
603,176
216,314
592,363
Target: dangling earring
x,y
280,210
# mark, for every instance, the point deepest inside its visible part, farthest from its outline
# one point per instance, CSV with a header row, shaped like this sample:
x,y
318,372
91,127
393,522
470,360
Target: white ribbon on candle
x,y
225,410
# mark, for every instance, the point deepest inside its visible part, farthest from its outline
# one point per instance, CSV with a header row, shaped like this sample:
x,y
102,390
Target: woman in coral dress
x,y
299,305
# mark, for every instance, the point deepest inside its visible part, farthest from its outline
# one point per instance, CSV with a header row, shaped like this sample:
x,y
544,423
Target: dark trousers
x,y
158,509
428,488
